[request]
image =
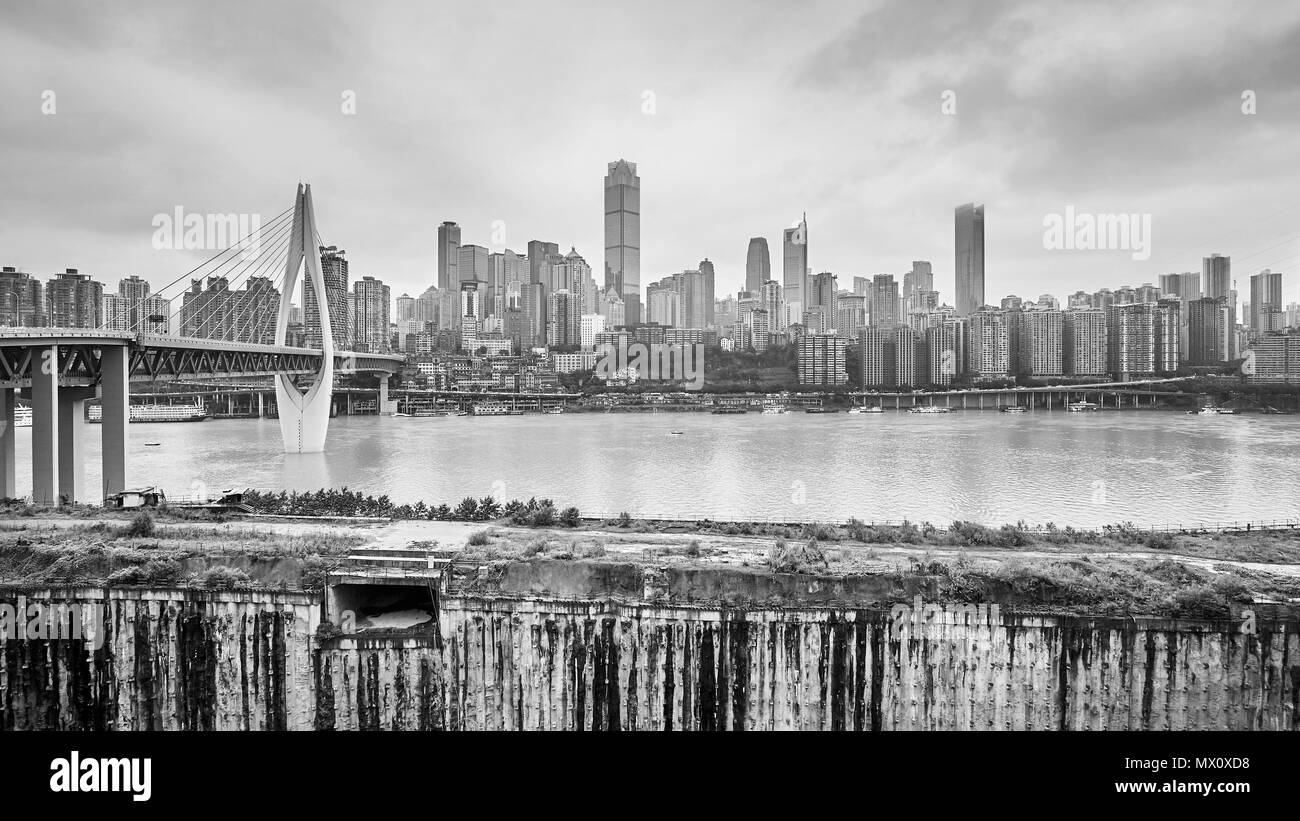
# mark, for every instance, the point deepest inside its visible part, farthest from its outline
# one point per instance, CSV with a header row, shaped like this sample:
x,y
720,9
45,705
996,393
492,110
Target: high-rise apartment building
x,y
945,344
988,344
1186,286
370,312
22,299
916,283
1265,300
969,262
821,360
884,301
74,300
1041,344
334,270
623,236
1084,342
1209,330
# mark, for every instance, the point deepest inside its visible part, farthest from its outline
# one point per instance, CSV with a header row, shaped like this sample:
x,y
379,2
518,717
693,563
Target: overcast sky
x,y
477,112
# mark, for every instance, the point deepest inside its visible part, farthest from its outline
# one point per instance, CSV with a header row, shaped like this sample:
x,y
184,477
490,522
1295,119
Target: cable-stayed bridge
x,y
58,369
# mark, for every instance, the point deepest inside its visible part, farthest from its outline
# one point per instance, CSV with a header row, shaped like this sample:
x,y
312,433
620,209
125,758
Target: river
x,y
1148,467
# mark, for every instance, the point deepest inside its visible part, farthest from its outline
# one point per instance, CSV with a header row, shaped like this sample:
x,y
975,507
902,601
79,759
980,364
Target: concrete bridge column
x,y
115,401
386,407
45,425
8,489
72,424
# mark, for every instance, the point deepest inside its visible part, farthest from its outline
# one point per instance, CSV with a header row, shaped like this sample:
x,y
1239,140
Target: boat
x,y
1210,410
1080,407
496,409
153,444
928,409
156,413
554,410
674,433
23,416
729,410
775,410
1013,409
821,410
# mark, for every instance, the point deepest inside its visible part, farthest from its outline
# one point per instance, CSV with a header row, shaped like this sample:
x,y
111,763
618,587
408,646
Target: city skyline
x,y
877,203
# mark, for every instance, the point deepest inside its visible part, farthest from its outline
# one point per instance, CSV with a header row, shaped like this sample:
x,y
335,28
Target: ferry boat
x,y
1013,409
867,409
23,416
928,409
774,410
156,413
1080,407
1210,410
496,409
820,410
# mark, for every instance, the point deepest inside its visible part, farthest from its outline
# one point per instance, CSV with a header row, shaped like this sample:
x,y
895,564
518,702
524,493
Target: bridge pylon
x,y
305,417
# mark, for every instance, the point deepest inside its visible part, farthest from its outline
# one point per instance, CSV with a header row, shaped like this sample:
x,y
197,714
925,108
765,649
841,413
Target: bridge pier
x,y
387,407
115,399
8,484
71,433
45,425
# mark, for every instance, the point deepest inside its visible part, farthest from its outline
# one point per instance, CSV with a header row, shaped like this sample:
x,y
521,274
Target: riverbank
x,y
1084,573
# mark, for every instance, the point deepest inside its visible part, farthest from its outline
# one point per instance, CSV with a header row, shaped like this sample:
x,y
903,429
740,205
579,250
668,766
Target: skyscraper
x,y
1209,328
916,282
1265,298
706,268
1184,286
884,301
22,299
758,264
1216,277
623,236
448,256
74,300
794,246
334,269
370,301
541,255
1084,344
969,263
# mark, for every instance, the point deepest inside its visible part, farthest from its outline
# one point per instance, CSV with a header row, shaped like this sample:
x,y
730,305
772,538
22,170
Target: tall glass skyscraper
x,y
794,247
969,268
448,256
623,236
758,265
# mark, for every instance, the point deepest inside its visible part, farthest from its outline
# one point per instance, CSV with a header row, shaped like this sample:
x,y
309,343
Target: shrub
x,y
479,538
543,516
802,558
693,549
570,517
154,571
222,577
624,519
594,551
820,532
141,526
